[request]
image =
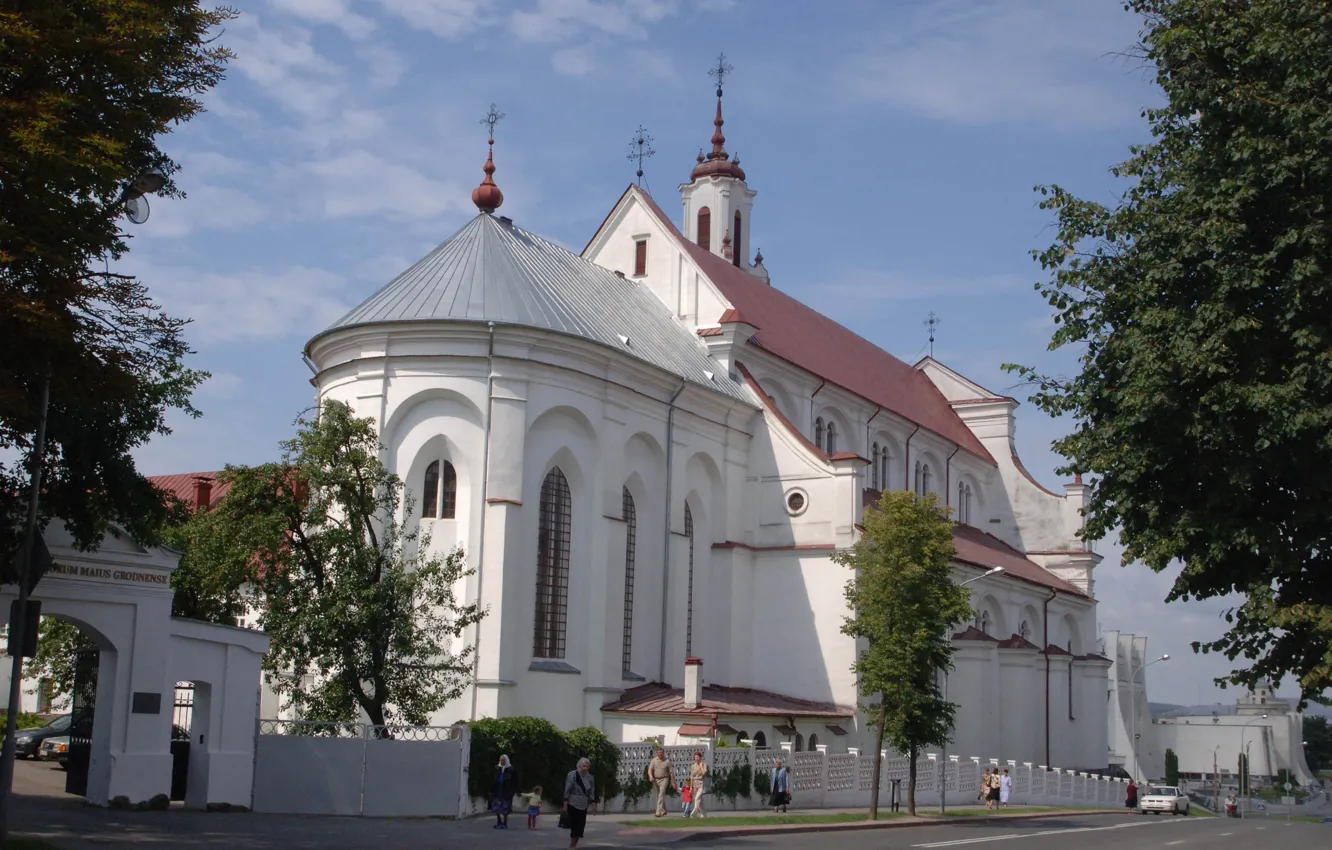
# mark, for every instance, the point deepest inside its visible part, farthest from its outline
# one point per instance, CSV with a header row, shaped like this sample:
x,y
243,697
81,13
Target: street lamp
x,y
148,181
943,793
1133,718
1246,769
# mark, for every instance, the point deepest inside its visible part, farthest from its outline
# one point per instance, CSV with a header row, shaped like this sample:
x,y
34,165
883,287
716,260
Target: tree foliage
x,y
1171,767
61,648
904,606
1317,742
360,612
1201,305
212,580
86,89
541,755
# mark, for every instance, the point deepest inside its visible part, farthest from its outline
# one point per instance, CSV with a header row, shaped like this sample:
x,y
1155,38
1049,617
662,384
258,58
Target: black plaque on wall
x,y
146,703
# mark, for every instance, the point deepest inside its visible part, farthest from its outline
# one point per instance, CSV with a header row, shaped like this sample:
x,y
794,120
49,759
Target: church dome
x,y
717,163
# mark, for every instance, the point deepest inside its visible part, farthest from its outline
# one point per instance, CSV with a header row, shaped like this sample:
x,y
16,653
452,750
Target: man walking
x,y
660,774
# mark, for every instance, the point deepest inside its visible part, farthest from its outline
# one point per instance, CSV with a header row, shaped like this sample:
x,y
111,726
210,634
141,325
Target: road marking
x,y
1224,834
1173,843
961,841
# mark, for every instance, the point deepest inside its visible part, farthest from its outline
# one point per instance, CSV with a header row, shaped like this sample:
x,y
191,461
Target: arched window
x,y
430,491
966,505
916,488
705,229
874,467
813,743
742,735
630,543
760,741
924,479
448,492
737,249
961,509
832,438
552,588
799,743
689,602
1024,630
985,622
818,432
883,466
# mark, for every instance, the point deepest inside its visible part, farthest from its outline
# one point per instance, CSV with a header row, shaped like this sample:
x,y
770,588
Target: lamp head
x,y
995,571
149,182
1165,657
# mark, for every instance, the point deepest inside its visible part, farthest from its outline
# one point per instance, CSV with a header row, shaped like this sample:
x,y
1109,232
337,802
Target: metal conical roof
x,y
494,271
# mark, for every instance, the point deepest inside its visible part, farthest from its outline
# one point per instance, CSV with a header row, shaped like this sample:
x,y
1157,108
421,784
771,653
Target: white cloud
x,y
573,61
285,65
361,183
444,18
560,20
382,64
221,385
336,13
989,63
207,207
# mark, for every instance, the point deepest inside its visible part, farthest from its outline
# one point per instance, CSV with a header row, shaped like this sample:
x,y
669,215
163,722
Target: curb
x,y
857,826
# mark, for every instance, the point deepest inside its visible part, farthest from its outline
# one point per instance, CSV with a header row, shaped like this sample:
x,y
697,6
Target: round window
x,y
795,502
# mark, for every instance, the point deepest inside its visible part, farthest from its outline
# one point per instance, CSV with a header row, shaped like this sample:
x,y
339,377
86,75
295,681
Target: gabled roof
x,y
808,339
980,549
657,698
494,271
182,486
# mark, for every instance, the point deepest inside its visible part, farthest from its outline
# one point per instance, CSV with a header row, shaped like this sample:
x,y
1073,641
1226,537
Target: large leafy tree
x,y
87,88
904,607
361,613
1200,303
1317,742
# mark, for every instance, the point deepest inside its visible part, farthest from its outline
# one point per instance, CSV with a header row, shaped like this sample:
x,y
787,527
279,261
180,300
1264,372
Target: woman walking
x,y
501,792
781,788
580,796
1005,788
992,789
698,775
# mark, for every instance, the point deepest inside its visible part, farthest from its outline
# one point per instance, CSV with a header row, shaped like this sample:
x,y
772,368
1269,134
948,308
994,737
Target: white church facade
x,y
649,453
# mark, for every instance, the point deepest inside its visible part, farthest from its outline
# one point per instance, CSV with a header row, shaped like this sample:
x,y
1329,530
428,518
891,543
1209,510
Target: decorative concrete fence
x,y
821,780
356,769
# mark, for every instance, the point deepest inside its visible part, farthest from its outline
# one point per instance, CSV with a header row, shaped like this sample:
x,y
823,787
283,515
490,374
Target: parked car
x,y
56,750
1164,798
29,741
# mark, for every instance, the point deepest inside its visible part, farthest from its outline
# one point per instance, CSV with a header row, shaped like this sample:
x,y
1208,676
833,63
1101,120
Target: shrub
x,y
541,755
1171,767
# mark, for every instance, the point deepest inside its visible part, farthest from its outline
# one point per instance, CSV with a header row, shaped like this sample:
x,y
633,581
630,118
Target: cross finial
x,y
932,322
719,73
640,149
492,118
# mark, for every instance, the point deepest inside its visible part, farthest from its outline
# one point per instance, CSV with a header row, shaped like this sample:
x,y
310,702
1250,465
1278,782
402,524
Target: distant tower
x,y
717,201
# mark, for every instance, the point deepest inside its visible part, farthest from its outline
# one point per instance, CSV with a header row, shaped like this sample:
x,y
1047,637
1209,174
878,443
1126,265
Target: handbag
x,y
564,819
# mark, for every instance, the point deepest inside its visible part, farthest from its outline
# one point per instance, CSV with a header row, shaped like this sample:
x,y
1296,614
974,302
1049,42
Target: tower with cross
x,y
718,203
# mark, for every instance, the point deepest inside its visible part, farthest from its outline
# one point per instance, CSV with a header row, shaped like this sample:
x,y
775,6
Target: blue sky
x,y
894,147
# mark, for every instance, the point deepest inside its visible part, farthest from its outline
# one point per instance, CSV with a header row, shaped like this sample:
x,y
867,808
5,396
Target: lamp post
x,y
1216,777
943,791
1133,718
146,182
1246,766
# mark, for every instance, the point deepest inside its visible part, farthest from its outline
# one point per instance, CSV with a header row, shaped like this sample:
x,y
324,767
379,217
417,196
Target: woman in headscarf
x,y
781,787
698,779
501,792
580,795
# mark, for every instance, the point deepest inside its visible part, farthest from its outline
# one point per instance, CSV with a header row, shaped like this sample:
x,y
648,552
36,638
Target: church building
x,y
649,453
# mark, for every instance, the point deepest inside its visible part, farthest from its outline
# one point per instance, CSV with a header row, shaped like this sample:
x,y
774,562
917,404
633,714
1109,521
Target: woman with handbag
x,y
501,792
781,788
698,782
580,796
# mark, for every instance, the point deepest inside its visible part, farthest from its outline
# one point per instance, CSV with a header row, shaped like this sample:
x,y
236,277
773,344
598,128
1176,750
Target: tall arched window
x,y
832,438
883,466
552,589
818,432
737,250
916,488
630,544
1024,630
430,491
966,504
705,229
813,743
689,602
985,622
448,492
924,479
799,743
874,467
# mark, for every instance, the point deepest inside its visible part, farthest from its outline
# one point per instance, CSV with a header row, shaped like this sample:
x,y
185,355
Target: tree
x,y
212,582
360,613
1171,767
1244,787
86,89
60,647
904,606
1200,304
1317,742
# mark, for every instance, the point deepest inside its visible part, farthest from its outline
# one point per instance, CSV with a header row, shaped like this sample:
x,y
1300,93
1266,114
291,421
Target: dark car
x,y
29,741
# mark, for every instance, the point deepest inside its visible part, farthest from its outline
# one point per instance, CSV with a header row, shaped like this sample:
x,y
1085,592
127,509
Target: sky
x,y
894,147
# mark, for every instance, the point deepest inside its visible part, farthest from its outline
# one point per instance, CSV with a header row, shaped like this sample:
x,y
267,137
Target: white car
x,y
56,750
1164,798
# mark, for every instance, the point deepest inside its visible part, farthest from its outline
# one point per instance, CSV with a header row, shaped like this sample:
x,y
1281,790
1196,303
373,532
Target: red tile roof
x,y
980,549
803,336
1017,642
656,698
182,486
973,633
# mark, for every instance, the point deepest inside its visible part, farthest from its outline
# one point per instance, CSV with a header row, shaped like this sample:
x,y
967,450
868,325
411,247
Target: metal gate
x,y
81,712
182,716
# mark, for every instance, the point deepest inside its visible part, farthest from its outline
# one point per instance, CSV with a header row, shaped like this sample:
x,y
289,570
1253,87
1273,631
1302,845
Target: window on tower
x,y
705,229
640,257
818,432
736,247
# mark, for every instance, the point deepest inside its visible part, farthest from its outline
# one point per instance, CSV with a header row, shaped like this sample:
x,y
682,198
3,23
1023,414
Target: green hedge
x,y
26,720
541,755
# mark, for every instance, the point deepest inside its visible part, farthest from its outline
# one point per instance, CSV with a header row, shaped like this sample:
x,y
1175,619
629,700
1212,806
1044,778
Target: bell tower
x,y
718,203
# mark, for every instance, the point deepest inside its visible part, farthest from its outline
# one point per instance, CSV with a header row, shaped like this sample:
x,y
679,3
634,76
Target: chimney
x,y
693,682
203,492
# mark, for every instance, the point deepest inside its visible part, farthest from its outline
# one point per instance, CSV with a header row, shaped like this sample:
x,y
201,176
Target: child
x,y
687,796
533,806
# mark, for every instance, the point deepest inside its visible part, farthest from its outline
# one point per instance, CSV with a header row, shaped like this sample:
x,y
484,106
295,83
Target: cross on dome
x,y
717,162
488,196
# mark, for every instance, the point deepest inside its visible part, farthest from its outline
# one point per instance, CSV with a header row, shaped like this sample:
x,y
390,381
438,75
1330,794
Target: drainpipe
x,y
811,406
485,479
906,461
948,479
666,535
1045,650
